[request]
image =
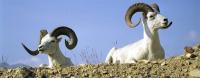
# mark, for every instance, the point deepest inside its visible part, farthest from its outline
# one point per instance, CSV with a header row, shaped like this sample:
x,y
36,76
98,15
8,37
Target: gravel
x,y
177,66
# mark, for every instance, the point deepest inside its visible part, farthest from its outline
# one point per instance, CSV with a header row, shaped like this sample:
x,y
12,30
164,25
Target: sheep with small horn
x,y
49,44
148,48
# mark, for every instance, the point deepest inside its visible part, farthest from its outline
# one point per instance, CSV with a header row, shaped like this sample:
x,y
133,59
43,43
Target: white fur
x,y
148,48
55,56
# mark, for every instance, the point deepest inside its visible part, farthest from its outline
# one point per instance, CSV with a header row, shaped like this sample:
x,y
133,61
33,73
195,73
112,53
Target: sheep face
x,y
151,16
157,21
48,44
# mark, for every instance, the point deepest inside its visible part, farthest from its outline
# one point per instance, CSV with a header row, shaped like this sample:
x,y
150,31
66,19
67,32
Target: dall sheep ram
x,y
148,48
49,44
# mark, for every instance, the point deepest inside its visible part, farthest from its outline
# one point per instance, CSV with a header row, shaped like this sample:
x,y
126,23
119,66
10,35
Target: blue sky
x,y
99,24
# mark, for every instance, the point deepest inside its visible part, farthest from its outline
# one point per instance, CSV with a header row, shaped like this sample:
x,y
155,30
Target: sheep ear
x,y
155,6
59,39
144,16
42,34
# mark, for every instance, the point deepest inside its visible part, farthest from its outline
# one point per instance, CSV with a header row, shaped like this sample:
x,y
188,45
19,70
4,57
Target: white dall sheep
x,y
148,48
49,44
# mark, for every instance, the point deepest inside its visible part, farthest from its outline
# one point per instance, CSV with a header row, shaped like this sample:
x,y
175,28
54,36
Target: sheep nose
x,y
40,47
165,20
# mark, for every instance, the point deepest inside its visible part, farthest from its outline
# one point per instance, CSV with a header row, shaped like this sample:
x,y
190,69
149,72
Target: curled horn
x,y
71,43
33,53
155,6
138,7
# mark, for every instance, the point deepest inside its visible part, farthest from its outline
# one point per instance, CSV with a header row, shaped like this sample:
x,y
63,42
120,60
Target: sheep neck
x,y
151,37
57,58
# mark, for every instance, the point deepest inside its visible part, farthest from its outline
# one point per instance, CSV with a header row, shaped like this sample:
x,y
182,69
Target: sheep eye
x,y
151,16
53,41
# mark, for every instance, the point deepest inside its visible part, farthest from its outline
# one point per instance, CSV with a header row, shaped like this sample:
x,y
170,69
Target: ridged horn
x,y
155,6
33,53
138,7
71,43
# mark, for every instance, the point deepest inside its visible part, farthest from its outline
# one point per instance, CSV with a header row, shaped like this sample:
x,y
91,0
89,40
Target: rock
x,y
185,70
85,75
188,50
196,47
105,72
195,73
173,67
24,73
154,62
188,62
10,70
129,76
163,63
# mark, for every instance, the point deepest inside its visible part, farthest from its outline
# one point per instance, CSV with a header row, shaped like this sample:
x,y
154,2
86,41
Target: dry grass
x,y
91,56
87,56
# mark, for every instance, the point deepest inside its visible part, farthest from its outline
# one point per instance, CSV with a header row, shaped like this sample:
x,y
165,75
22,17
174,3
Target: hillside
x,y
178,66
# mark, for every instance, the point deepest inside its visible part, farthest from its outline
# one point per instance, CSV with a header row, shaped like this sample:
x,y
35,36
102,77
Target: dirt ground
x,y
177,66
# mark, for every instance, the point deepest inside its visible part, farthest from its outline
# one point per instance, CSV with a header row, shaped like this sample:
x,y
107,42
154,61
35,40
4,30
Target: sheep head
x,y
151,16
49,42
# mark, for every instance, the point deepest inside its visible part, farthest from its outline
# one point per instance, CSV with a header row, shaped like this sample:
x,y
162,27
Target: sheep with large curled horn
x,y
148,48
49,44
